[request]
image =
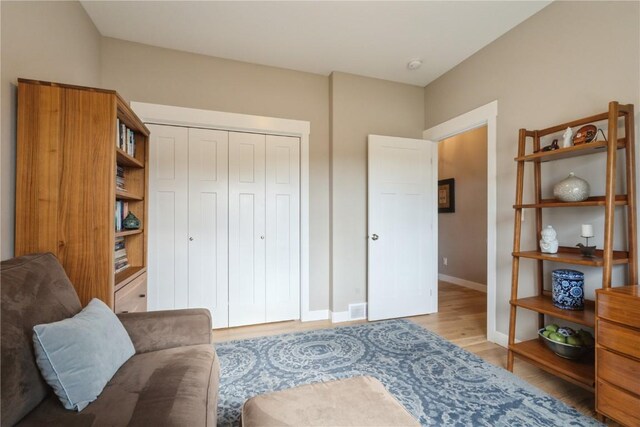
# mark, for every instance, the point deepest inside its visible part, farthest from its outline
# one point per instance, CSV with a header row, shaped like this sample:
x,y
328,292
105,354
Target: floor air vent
x,y
358,311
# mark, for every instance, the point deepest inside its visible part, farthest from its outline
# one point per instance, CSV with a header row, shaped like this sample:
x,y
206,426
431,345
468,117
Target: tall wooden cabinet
x,y
580,372
66,195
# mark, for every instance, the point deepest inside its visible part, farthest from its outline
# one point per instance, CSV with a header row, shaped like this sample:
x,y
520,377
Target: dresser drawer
x,y
619,308
619,370
619,338
617,404
133,297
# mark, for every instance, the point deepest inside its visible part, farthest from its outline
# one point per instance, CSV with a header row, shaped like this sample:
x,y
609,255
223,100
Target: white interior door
x,y
208,206
247,229
283,228
402,227
168,218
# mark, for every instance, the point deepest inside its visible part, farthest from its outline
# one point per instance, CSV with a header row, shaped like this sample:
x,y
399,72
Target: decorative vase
x,y
572,189
567,289
131,222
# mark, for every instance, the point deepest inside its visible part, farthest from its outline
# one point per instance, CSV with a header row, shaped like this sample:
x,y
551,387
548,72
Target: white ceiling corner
x,y
375,39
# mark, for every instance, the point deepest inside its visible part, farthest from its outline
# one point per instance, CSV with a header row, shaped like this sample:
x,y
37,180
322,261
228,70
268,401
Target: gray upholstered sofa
x,y
171,380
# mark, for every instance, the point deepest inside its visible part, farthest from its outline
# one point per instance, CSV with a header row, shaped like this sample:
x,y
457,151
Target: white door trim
x,y
481,116
192,117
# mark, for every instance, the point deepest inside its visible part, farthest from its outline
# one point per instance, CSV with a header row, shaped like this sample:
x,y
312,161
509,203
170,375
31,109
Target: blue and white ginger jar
x,y
568,289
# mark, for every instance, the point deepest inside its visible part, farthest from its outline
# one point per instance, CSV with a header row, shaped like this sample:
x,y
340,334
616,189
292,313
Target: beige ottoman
x,y
358,401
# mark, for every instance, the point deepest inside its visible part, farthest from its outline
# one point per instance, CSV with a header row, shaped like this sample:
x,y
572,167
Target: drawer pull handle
x,y
142,295
123,312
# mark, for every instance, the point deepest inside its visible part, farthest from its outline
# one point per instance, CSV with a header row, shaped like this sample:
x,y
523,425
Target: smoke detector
x,y
414,64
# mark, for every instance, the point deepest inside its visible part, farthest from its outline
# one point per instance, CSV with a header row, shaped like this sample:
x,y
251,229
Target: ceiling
x,y
375,39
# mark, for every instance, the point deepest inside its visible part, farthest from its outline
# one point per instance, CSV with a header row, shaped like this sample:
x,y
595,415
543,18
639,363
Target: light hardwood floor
x,y
462,319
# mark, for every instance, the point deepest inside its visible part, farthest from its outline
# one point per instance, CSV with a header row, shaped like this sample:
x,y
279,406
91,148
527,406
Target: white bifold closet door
x,y
208,222
168,246
264,228
188,236
283,228
224,224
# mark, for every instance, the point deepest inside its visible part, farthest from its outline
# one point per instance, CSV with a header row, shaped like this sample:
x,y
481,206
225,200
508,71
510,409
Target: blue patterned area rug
x,y
437,381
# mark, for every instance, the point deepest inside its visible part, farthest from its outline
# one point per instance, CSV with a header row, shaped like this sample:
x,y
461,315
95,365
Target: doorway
x,y
462,226
485,115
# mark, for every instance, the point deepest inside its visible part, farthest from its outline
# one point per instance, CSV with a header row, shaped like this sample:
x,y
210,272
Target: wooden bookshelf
x,y
126,160
580,372
574,151
125,195
125,233
66,184
620,200
569,255
124,277
543,304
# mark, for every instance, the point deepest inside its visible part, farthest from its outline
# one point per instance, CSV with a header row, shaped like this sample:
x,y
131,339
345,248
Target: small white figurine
x,y
567,138
549,243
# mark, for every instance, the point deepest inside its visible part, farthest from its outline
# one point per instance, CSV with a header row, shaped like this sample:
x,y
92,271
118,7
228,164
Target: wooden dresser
x,y
618,354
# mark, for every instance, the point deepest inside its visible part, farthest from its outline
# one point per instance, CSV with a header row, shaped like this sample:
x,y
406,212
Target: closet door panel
x,y
283,228
208,222
168,218
246,228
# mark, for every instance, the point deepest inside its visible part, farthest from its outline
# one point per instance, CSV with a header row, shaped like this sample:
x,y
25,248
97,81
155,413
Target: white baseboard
x,y
462,282
339,316
347,316
501,339
313,315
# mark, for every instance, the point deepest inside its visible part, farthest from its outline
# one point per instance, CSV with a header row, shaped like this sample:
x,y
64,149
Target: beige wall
x,y
551,68
44,41
163,76
462,235
361,106
544,71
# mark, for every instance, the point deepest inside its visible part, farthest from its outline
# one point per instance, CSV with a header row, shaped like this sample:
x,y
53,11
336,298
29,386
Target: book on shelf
x,y
119,243
125,138
121,269
121,261
121,254
120,178
122,210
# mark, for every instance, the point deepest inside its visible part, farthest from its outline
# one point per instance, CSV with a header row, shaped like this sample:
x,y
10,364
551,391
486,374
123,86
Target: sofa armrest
x,y
157,330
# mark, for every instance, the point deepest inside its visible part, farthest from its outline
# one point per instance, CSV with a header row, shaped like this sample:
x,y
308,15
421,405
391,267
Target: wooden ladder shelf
x,y
534,351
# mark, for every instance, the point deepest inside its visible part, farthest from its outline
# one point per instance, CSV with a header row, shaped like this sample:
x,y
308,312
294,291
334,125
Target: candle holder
x,y
586,250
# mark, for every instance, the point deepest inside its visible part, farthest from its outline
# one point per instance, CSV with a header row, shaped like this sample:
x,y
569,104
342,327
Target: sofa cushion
x,y
172,387
35,289
79,355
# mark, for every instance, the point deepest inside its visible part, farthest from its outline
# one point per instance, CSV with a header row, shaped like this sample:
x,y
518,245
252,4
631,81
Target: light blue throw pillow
x,y
78,356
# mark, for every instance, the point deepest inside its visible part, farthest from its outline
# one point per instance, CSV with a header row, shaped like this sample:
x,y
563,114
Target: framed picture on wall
x,y
447,195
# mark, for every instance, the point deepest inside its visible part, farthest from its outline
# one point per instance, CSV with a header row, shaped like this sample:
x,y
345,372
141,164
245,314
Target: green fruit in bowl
x,y
586,337
575,340
552,327
546,333
554,336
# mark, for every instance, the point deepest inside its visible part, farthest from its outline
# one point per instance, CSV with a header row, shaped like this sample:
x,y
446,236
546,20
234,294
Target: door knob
x,y
191,239
374,237
262,237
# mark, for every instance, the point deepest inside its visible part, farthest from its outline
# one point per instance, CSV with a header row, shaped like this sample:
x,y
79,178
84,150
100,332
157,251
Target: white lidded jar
x,y
572,189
